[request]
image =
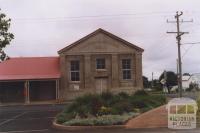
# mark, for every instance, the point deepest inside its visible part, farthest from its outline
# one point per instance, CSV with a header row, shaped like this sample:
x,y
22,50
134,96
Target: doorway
x,y
42,90
12,92
101,85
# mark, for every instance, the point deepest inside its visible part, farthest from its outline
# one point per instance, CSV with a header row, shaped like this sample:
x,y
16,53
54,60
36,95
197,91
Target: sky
x,y
42,27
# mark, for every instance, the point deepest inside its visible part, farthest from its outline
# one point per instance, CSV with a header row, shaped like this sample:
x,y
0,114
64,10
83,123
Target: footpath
x,y
155,118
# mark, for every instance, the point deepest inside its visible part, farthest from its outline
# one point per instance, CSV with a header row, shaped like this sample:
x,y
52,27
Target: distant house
x,y
187,80
97,63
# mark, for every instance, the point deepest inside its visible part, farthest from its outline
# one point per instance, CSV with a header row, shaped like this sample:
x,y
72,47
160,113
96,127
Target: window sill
x,y
76,82
101,70
126,80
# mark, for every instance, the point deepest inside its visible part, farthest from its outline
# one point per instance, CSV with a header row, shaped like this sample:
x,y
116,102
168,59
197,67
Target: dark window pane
x,y
126,64
75,76
126,74
74,65
126,68
75,68
100,63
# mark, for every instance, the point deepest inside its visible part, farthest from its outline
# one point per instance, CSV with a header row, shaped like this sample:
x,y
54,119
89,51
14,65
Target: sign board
x,y
163,81
182,113
180,121
76,87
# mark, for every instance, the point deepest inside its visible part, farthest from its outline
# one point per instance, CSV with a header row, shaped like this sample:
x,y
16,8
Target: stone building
x,y
100,62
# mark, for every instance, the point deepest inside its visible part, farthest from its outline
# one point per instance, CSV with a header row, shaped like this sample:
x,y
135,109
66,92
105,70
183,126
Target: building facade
x,y
100,62
97,63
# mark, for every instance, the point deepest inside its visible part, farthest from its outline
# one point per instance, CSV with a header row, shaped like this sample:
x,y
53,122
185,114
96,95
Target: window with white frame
x,y
126,68
100,63
75,70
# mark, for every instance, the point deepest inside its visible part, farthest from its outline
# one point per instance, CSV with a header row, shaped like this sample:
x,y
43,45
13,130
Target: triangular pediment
x,y
100,41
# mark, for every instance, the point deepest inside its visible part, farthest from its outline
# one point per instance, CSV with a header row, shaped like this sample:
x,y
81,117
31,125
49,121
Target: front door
x,y
101,85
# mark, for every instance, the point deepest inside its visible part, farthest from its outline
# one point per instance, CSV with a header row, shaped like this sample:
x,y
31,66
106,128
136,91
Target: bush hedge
x,y
90,107
100,120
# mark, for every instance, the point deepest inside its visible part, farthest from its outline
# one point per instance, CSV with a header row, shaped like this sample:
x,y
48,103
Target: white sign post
x,y
182,113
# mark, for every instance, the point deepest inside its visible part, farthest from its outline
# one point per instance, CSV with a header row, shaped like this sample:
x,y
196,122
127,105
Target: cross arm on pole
x,y
181,33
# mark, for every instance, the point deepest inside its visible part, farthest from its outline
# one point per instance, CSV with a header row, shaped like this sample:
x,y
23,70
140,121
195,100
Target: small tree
x,y
171,79
5,35
186,74
193,86
145,82
156,85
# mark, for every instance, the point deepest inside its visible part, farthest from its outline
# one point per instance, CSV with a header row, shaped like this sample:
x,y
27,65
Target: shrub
x,y
138,102
107,95
121,107
104,111
198,104
60,118
136,110
87,104
147,101
63,117
96,106
101,120
123,95
160,99
146,109
140,92
109,99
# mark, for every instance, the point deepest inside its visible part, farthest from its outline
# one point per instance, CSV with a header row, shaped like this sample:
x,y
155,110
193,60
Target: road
x,y
38,119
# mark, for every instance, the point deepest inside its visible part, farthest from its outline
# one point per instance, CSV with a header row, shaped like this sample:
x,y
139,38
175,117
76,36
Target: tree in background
x,y
145,82
5,35
156,85
171,79
186,74
193,86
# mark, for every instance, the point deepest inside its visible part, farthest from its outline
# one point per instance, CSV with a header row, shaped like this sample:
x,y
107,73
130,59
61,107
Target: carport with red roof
x,y
29,79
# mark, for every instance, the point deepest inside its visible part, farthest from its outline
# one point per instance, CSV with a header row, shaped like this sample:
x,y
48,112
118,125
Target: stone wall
x,y
89,74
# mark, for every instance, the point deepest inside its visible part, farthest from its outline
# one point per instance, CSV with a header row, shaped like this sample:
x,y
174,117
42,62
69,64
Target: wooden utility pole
x,y
177,73
165,78
178,38
152,85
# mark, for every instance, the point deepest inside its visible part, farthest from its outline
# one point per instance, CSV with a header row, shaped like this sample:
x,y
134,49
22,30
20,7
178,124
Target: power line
x,y
191,43
187,50
96,16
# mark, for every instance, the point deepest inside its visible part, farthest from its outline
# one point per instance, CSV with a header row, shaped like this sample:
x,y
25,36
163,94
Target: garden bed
x,y
198,113
107,109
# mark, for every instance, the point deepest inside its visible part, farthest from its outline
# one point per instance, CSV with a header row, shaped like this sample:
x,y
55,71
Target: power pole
x,y
152,81
178,38
177,72
165,85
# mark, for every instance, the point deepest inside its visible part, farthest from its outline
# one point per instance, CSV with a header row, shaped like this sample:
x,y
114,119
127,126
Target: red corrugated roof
x,y
30,68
